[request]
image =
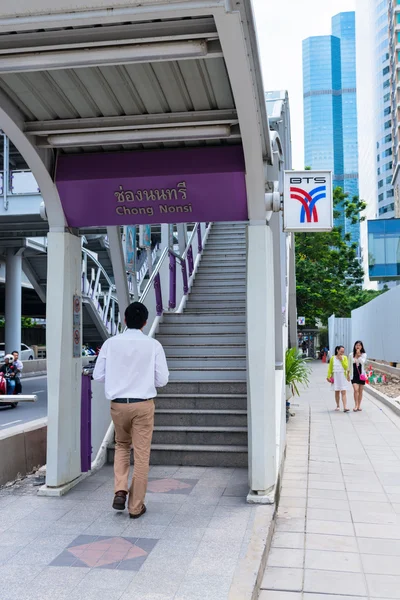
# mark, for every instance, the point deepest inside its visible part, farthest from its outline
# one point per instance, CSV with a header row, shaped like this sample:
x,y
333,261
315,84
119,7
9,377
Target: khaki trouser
x,y
133,427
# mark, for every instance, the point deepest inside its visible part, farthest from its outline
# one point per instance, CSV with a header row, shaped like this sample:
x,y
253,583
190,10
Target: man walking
x,y
132,366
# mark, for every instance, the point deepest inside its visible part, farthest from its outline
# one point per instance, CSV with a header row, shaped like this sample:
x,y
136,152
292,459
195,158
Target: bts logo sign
x,y
308,201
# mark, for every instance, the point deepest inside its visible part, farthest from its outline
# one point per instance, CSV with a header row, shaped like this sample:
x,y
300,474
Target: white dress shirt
x,y
132,365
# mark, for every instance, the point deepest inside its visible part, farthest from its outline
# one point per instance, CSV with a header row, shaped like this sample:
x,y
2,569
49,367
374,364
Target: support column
x,y
65,372
119,268
261,363
13,301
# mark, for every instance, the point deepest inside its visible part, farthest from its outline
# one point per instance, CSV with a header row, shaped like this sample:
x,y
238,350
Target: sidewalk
x,y
190,545
338,526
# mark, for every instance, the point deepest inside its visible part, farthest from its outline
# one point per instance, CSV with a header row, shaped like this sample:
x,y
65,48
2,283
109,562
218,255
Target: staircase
x,y
201,415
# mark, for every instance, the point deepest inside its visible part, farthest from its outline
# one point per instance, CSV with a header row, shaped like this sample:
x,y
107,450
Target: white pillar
x,y
182,237
64,263
119,268
13,301
261,360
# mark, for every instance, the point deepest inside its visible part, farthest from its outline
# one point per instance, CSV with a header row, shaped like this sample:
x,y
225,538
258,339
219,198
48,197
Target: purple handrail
x,y
157,288
190,260
172,281
199,240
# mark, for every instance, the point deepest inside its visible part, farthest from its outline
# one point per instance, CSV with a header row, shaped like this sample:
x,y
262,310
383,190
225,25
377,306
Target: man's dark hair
x,y
15,352
136,315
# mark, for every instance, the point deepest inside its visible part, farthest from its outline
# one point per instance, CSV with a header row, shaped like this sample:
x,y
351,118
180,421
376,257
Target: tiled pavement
x,y
338,528
186,547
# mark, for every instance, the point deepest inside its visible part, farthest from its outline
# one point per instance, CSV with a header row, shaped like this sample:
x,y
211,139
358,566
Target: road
x,y
26,411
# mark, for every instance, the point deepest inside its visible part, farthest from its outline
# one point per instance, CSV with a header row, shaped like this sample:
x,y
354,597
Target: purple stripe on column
x,y
172,281
199,240
184,277
86,424
190,260
157,288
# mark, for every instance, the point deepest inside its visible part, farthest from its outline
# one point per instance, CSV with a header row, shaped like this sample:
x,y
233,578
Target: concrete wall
x,y
22,448
32,367
377,324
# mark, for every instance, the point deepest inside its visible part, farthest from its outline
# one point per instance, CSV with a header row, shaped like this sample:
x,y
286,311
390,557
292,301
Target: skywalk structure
x,y
154,112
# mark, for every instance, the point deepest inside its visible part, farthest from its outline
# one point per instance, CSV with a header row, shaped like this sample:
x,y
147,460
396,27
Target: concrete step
x,y
202,401
230,246
206,362
212,374
215,260
199,456
222,269
204,386
214,310
201,340
203,328
198,318
222,284
225,278
197,436
206,351
210,295
200,418
206,304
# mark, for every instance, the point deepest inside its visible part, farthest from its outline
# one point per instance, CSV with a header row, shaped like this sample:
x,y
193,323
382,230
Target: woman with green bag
x,y
338,376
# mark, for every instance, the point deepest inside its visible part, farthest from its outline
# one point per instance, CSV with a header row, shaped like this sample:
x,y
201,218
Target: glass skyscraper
x,y
330,107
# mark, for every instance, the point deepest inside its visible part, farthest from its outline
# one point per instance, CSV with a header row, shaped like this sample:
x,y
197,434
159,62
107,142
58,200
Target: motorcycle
x,y
4,383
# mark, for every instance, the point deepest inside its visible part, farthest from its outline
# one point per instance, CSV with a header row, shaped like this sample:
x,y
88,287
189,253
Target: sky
x,y
280,34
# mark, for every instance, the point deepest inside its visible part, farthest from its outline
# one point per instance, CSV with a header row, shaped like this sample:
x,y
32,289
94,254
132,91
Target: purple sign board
x,y
157,186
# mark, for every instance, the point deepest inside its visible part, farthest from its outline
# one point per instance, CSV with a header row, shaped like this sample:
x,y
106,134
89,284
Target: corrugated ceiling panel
x,y
148,88
173,84
76,92
198,86
47,90
220,82
29,97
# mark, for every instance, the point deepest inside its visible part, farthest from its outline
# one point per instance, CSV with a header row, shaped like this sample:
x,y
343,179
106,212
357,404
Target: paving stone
x,y
333,561
378,546
320,514
324,582
283,539
383,586
276,595
282,557
285,579
380,564
336,543
330,527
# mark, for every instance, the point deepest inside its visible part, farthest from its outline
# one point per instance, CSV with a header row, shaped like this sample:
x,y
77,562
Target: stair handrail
x,y
155,281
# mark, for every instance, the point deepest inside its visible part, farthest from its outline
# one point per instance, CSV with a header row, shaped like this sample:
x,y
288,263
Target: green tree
x,y
328,270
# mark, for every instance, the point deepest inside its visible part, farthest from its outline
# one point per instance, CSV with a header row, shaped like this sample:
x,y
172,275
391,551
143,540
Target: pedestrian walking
x,y
338,376
357,360
132,366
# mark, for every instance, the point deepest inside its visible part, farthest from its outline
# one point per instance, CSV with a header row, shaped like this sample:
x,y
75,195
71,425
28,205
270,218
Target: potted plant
x,y
297,372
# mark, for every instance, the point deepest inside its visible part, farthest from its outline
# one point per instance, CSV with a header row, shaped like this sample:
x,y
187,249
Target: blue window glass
x,y
384,246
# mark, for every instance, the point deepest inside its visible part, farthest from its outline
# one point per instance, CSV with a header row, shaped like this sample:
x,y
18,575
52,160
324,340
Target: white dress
x,y
340,382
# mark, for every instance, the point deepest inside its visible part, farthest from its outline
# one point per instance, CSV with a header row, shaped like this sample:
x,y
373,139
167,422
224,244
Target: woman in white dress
x,y
338,375
357,360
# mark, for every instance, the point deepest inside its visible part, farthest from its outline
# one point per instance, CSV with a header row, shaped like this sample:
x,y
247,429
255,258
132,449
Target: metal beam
x,y
119,270
33,280
202,28
199,117
77,58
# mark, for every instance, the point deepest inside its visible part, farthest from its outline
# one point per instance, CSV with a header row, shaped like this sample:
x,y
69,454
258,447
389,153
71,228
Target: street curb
x,y
248,575
389,402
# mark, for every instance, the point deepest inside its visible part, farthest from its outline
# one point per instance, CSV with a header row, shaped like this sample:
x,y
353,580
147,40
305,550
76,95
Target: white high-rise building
x,y
374,108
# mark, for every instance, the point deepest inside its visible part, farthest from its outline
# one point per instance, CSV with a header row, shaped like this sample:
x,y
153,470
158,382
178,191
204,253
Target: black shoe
x,y
119,500
139,514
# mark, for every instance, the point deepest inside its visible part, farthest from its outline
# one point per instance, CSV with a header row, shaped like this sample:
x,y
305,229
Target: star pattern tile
x,y
171,486
106,552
